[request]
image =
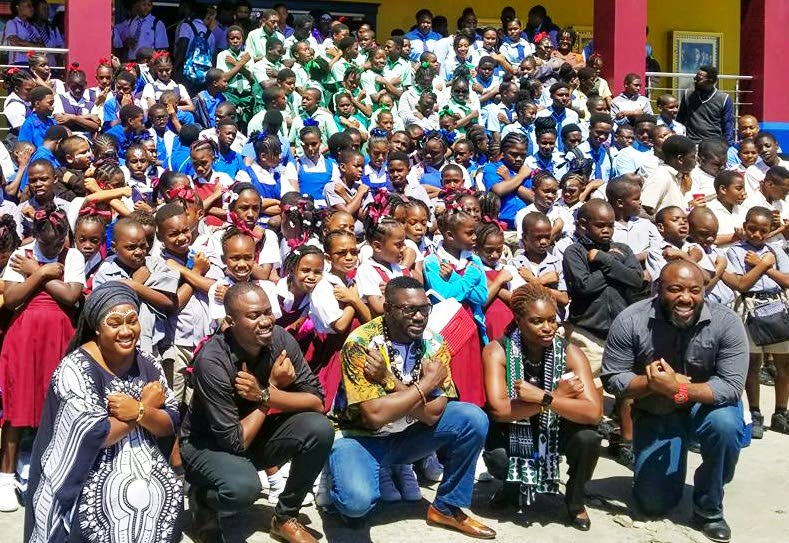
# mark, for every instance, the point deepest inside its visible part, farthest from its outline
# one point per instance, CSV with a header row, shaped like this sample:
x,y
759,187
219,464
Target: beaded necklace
x,y
416,371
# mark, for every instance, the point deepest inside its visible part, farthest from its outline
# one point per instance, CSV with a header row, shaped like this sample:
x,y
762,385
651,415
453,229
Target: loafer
x,y
715,530
460,522
290,530
579,522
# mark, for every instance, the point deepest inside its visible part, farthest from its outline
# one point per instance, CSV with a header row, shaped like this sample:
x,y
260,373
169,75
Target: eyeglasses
x,y
412,310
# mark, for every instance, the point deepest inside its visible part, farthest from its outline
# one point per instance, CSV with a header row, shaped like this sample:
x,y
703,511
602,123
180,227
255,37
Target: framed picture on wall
x,y
694,49
584,36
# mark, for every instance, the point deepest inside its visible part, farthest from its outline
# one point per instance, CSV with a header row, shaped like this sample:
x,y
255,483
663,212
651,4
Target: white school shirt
x,y
721,292
368,279
551,263
269,253
637,233
153,91
73,265
661,189
216,309
324,307
15,110
238,143
554,212
755,174
727,220
758,199
677,127
701,182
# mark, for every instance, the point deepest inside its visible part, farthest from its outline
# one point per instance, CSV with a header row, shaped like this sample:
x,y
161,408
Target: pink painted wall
x,y
619,35
763,44
88,33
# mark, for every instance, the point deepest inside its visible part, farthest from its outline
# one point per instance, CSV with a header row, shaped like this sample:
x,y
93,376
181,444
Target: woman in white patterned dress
x,y
97,473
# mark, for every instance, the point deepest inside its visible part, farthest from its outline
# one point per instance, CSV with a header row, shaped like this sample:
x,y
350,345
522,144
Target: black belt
x,y
764,295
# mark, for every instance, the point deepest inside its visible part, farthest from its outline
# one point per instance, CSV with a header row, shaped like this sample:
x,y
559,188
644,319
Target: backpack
x,y
198,56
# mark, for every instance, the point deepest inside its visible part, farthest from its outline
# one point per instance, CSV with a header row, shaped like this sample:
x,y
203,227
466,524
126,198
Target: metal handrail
x,y
17,49
736,92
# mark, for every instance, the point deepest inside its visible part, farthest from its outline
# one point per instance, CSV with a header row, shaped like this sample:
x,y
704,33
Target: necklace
x,y
416,371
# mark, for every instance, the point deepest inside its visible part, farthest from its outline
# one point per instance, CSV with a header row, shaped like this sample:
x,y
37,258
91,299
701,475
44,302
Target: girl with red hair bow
x,y
43,282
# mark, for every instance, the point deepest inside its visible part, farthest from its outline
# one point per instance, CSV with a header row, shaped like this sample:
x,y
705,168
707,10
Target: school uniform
x,y
34,128
637,233
452,62
28,356
238,145
663,189
111,111
728,221
675,126
421,43
755,174
630,159
205,108
629,104
527,132
27,222
492,122
468,285
142,189
429,175
259,68
765,289
188,327
256,42
600,155
498,315
23,30
376,178
400,68
510,203
268,183
702,182
515,52
567,116
164,144
148,31
291,40
555,164
153,91
206,187
332,197
554,213
16,111
720,293
326,125
371,274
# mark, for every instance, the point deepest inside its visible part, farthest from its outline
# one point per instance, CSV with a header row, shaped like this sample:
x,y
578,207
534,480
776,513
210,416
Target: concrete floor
x,y
756,507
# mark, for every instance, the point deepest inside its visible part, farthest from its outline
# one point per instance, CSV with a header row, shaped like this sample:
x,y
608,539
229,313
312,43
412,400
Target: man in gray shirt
x,y
684,362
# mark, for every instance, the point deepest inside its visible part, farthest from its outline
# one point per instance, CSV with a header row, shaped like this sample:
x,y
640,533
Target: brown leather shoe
x,y
290,530
460,522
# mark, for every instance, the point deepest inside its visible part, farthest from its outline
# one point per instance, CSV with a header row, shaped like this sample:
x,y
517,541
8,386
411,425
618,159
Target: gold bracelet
x,y
421,394
140,412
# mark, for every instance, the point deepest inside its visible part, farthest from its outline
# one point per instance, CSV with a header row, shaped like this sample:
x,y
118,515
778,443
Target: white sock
x,y
275,479
7,478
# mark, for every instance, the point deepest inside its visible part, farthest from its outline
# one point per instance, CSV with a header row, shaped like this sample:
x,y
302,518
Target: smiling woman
x,y
107,403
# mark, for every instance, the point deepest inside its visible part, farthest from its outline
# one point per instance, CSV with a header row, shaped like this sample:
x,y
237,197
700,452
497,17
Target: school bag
x,y
198,56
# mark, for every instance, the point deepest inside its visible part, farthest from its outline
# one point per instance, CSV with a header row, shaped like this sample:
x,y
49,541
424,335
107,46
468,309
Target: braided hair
x,y
529,294
52,222
233,232
15,76
9,239
294,257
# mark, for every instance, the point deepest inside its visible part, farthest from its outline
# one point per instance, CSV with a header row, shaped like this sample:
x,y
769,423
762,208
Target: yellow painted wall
x,y
663,17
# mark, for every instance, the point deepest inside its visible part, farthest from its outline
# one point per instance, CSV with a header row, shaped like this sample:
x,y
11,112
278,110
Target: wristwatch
x,y
265,396
547,398
681,397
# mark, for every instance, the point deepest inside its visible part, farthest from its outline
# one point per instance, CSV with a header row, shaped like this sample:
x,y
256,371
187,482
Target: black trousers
x,y
579,443
229,482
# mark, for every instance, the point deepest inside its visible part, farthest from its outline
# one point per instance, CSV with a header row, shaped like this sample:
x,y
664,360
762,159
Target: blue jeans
x,y
660,448
354,461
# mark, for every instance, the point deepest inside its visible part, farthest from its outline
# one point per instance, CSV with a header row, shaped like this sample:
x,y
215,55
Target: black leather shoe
x,y
580,520
715,530
505,498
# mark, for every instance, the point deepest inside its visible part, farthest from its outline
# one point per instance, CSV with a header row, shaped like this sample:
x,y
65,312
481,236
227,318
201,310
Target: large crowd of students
x,y
364,257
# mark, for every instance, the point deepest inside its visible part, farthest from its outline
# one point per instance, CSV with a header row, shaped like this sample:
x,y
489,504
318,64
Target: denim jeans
x,y
660,448
354,460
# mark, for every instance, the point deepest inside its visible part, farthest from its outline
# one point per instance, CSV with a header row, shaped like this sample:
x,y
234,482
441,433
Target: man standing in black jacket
x,y
256,405
603,278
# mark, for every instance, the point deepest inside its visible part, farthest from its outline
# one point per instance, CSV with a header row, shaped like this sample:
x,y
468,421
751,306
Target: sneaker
x,y
432,469
780,422
322,496
8,499
409,486
276,484
607,428
757,430
389,492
